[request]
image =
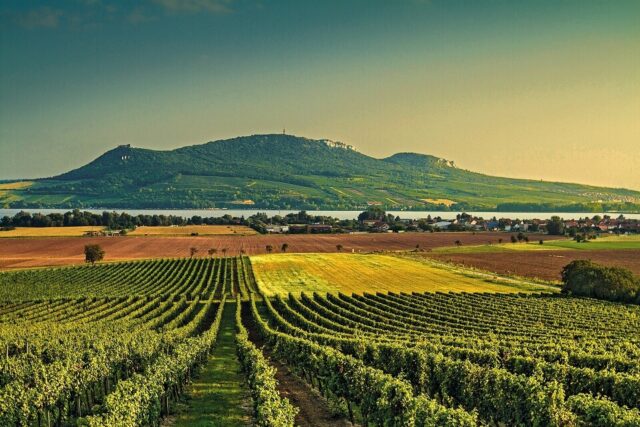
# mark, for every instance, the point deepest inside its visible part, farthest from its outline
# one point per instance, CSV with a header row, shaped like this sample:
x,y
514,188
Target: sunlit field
x,y
189,230
50,231
354,273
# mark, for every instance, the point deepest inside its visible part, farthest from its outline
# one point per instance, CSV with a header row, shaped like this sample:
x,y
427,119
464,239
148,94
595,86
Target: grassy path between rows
x,y
219,395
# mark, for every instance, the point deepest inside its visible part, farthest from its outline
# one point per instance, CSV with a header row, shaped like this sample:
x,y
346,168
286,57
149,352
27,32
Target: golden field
x,y
188,230
355,273
50,231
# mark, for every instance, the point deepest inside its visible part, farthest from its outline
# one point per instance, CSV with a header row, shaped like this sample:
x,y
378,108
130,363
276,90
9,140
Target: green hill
x,y
290,172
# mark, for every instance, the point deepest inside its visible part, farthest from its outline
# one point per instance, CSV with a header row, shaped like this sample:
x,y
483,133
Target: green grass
x,y
218,396
356,273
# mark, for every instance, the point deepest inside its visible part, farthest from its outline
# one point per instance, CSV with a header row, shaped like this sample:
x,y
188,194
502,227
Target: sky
x,y
530,89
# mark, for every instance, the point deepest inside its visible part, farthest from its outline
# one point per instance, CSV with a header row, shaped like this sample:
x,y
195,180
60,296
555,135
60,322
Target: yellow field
x,y
355,273
446,202
187,230
15,185
49,231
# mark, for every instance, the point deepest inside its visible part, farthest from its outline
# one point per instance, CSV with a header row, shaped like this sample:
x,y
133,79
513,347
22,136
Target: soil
x,y
314,410
53,251
545,265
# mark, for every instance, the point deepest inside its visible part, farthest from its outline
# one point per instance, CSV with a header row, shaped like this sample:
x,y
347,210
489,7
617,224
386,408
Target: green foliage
x,y
555,226
586,278
191,277
93,253
382,398
288,172
270,409
601,412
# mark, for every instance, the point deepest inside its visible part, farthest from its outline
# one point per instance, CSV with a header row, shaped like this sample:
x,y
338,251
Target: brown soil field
x,y
545,265
47,251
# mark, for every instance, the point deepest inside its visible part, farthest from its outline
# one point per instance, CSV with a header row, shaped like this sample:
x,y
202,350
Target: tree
x,y
212,252
555,226
284,247
458,243
224,251
514,239
586,278
93,253
269,248
372,212
339,247
500,240
193,251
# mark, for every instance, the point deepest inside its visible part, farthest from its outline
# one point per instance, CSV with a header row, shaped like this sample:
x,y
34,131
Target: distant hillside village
x,y
373,220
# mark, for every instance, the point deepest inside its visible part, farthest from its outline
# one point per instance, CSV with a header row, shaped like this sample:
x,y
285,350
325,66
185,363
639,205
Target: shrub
x,y
585,278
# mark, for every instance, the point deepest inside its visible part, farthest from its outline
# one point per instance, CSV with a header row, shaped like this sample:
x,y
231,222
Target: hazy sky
x,y
538,89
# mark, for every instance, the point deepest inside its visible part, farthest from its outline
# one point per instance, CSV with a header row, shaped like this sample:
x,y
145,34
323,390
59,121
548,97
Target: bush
x,y
585,278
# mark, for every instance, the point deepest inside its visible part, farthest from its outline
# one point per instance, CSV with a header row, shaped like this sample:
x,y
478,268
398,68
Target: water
x,y
188,213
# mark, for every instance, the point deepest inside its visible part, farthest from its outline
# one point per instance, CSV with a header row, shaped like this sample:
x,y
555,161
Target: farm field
x,y
599,244
546,265
188,230
463,359
21,253
355,273
129,337
49,231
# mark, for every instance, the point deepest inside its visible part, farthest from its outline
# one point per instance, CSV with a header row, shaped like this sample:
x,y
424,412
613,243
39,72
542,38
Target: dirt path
x,y
219,396
314,410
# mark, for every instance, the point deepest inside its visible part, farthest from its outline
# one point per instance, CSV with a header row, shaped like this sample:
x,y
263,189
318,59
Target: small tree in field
x,y
339,247
269,248
513,239
193,251
224,251
458,243
284,247
93,253
212,252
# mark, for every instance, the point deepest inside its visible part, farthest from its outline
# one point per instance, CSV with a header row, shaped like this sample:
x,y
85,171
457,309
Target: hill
x,y
290,172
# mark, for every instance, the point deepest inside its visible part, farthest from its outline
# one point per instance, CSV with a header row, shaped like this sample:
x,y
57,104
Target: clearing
x,y
355,273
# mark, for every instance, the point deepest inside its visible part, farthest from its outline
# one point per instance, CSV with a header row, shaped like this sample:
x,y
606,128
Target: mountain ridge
x,y
281,171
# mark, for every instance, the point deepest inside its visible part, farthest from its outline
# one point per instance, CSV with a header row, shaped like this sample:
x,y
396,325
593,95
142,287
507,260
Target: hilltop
x,y
291,172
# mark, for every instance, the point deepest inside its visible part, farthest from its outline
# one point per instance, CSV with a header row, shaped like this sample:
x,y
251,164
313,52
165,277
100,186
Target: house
x,y
277,229
443,225
380,227
319,228
297,228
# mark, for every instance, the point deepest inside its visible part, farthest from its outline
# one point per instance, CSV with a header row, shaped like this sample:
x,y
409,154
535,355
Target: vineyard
x,y
119,344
